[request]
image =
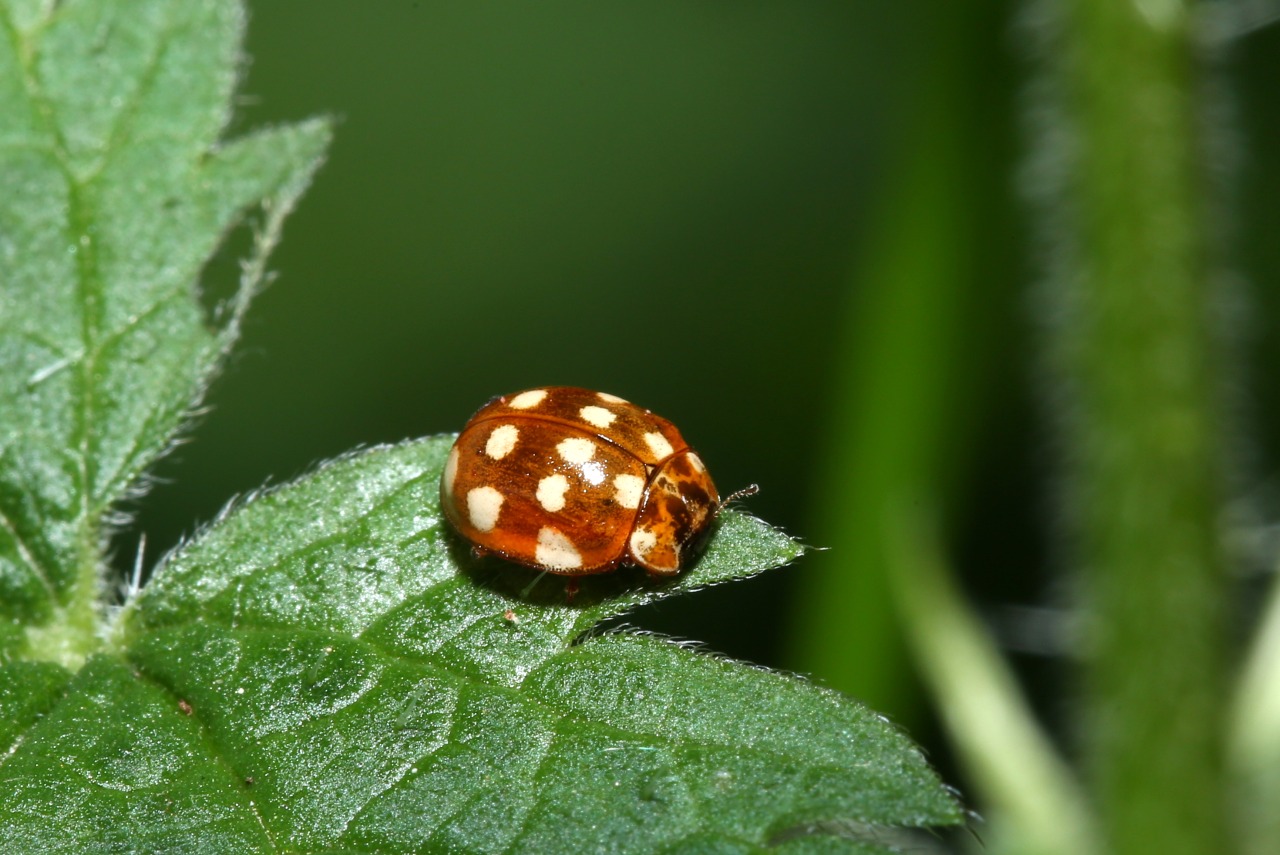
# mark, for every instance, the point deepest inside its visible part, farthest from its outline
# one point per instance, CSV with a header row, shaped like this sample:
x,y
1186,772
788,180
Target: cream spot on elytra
x,y
629,490
598,416
612,399
555,551
696,461
501,441
525,400
576,449
483,505
659,445
642,542
551,490
592,472
451,471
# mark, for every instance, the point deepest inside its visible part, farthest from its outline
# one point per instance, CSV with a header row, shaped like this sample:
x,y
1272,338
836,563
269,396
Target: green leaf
x,y
326,667
360,682
28,690
117,767
116,192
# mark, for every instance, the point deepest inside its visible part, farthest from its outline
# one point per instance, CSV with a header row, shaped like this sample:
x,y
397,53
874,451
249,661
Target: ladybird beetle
x,y
574,482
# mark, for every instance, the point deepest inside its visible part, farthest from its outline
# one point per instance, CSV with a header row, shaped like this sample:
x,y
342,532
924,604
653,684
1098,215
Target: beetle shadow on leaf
x,y
526,586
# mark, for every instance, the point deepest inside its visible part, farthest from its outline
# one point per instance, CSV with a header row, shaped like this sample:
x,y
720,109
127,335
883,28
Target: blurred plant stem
x,y
1136,371
1030,796
902,371
1137,349
1254,737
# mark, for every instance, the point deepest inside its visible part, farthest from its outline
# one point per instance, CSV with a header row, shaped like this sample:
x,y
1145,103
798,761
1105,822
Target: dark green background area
x,y
660,200
672,202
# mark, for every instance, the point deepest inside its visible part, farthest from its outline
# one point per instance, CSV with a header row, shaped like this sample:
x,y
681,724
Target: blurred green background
x,y
721,211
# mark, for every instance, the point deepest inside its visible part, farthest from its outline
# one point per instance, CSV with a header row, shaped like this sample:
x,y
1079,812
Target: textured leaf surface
x,y
115,192
325,668
383,691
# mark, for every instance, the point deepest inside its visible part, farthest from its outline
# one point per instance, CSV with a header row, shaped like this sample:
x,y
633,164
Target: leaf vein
x,y
216,754
335,534
37,569
540,798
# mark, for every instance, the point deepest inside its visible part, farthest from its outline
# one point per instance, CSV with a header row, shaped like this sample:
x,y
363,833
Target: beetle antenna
x,y
749,490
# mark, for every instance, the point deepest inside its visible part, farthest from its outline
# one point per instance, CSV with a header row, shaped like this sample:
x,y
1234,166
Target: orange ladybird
x,y
573,482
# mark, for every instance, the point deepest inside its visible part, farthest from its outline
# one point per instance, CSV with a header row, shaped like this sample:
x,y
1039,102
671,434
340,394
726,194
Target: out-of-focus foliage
x,y
114,197
666,201
324,665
